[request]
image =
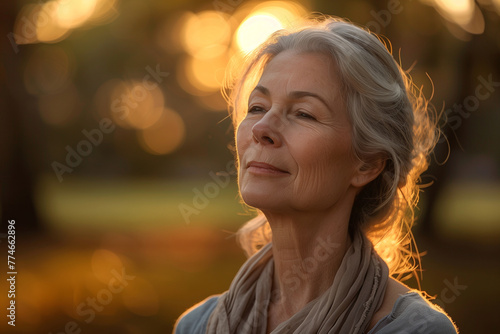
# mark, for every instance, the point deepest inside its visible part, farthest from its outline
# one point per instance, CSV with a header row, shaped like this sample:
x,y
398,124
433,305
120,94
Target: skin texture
x,y
298,168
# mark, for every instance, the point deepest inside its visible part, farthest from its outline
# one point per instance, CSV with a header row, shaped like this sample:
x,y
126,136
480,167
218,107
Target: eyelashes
x,y
305,115
256,109
299,113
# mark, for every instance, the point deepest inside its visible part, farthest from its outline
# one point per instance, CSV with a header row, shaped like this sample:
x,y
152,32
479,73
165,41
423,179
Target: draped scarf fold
x,y
347,306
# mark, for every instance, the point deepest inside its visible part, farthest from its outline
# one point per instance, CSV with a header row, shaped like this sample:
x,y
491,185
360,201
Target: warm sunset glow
x,y
204,75
73,13
36,297
213,39
25,31
496,3
104,11
103,262
464,13
288,12
264,19
165,136
48,29
53,21
255,30
206,30
146,104
132,104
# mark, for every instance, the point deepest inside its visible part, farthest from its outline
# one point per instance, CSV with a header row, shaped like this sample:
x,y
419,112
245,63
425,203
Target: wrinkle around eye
x,y
256,109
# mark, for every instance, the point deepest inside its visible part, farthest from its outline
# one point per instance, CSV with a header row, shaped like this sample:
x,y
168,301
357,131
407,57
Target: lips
x,y
265,168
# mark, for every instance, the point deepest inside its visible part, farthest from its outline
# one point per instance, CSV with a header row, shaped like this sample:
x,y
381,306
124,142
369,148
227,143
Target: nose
x,y
267,130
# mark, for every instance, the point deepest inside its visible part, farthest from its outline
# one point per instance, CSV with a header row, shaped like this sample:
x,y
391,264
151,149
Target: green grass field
x,y
138,205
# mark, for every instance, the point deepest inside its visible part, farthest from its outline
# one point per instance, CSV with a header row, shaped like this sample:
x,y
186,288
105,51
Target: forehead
x,y
294,71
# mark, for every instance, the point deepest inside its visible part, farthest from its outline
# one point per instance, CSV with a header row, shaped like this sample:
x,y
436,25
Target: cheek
x,y
243,138
241,142
323,172
243,135
312,177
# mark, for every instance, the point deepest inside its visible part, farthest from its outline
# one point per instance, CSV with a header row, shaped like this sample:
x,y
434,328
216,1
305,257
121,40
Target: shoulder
x,y
393,291
414,314
195,319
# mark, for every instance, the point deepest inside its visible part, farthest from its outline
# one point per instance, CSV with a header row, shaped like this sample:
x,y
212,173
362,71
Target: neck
x,y
307,250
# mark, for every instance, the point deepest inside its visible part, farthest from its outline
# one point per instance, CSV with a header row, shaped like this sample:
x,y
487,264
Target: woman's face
x,y
294,145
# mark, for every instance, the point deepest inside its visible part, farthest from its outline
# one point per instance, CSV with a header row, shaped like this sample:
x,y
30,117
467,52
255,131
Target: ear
x,y
368,171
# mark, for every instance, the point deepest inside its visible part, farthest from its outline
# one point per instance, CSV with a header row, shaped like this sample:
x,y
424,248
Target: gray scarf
x,y
346,307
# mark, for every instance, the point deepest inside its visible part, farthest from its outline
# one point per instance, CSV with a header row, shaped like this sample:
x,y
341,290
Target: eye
x,y
305,115
256,109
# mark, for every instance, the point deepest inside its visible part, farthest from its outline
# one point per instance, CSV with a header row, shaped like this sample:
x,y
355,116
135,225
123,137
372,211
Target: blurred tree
x,y
18,129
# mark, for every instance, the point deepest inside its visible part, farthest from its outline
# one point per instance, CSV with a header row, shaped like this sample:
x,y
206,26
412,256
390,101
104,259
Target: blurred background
x,y
117,153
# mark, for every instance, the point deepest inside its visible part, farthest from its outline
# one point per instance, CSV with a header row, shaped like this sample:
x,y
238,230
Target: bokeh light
x,y
205,75
48,29
205,32
25,31
464,13
94,222
255,30
165,136
205,37
264,19
104,11
131,104
73,13
53,21
211,40
459,10
145,101
496,3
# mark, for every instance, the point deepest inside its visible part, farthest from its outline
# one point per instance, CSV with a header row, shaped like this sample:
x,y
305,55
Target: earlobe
x,y
368,171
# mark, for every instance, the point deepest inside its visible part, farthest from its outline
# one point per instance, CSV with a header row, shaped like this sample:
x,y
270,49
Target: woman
x,y
331,138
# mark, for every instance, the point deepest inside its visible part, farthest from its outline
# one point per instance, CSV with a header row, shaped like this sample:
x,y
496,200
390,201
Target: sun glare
x,y
255,30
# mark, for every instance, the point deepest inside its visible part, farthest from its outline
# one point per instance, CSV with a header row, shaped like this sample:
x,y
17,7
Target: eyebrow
x,y
294,94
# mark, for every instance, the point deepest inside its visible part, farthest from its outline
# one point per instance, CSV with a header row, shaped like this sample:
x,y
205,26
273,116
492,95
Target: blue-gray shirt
x,y
411,314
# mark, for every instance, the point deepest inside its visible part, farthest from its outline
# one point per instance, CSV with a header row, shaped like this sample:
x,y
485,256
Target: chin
x,y
259,199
